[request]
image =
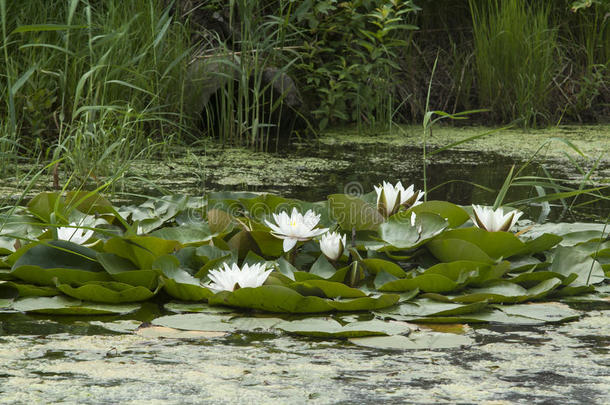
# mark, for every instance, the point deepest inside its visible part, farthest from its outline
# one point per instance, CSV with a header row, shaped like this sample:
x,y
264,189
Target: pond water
x,y
106,360
312,172
72,361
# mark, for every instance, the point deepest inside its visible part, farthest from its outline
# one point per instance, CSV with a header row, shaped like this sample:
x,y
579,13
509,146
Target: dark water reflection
x,y
461,177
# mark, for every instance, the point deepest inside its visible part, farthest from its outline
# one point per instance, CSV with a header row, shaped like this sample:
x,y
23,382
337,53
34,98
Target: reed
x,y
81,76
515,51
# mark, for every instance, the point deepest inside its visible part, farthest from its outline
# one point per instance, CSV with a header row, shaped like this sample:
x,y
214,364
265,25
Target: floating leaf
x,y
374,266
68,306
124,271
28,290
569,261
271,298
454,214
493,244
427,307
109,292
201,322
426,282
327,289
179,283
175,306
398,231
353,212
421,340
186,235
141,250
66,261
330,328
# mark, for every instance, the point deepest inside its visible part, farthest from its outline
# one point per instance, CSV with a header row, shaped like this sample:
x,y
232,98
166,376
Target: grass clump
x,y
515,51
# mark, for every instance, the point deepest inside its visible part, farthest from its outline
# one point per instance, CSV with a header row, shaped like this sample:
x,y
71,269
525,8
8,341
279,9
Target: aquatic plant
x,y
494,220
74,233
427,263
232,277
390,198
332,244
295,228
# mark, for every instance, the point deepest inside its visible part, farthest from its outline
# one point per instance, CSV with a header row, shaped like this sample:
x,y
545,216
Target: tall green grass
x,y
245,110
515,51
97,82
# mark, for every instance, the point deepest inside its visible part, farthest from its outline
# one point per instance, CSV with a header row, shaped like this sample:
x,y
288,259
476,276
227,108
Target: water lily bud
x,y
390,198
494,220
332,245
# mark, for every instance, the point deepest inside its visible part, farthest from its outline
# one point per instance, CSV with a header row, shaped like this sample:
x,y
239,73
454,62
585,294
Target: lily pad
x,y
352,212
398,231
494,245
454,214
123,270
330,328
271,298
141,250
182,285
60,305
29,290
374,266
329,289
109,292
421,340
569,261
155,332
180,307
186,235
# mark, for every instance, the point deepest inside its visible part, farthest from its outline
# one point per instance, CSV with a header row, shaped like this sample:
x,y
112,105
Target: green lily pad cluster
x,y
426,264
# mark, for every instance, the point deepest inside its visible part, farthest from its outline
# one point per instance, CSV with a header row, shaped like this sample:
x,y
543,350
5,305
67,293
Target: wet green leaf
x,y
28,290
421,340
322,268
454,214
271,298
493,244
179,283
186,235
330,328
328,289
398,231
352,212
374,266
268,244
141,250
125,271
61,305
423,307
426,282
569,261
179,306
108,292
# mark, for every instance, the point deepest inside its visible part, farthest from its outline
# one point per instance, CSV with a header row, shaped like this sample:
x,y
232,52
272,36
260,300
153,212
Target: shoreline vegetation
x,y
91,81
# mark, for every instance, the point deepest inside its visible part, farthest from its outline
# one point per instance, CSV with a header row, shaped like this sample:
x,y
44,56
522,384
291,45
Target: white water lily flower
x,y
494,221
74,234
229,278
296,227
390,198
332,245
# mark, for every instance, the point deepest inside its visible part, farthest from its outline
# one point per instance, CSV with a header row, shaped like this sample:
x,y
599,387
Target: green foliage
x,y
96,82
430,253
515,51
350,61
